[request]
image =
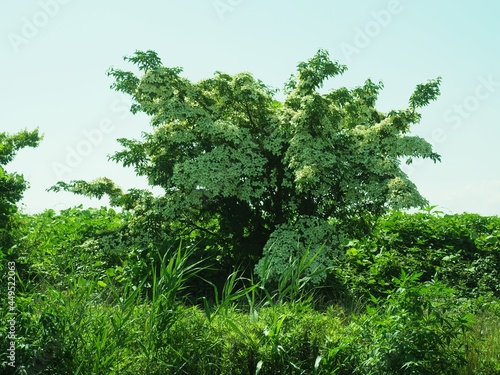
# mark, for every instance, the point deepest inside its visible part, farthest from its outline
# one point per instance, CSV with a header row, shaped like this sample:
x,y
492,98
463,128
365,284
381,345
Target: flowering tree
x,y
258,176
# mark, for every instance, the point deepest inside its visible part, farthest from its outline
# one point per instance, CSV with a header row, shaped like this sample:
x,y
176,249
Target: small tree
x,y
12,185
259,176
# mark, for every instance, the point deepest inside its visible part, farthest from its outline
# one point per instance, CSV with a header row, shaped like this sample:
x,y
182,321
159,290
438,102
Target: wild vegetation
x,y
419,296
280,246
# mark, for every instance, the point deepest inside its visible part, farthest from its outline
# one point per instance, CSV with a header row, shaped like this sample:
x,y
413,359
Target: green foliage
x,y
12,185
75,241
174,272
483,341
418,329
414,331
11,144
244,173
104,186
72,331
107,323
463,251
285,247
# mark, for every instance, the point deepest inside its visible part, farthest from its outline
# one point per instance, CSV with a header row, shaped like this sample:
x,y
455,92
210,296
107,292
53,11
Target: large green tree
x,y
12,185
259,176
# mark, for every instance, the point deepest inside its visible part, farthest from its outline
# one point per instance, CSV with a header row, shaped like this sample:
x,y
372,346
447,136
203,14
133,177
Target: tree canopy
x,y
253,176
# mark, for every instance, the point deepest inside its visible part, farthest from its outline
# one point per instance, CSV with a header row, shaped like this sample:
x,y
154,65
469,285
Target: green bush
x,y
414,331
463,251
53,245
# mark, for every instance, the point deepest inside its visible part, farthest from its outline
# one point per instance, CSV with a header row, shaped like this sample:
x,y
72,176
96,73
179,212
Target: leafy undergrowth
x,y
419,329
389,309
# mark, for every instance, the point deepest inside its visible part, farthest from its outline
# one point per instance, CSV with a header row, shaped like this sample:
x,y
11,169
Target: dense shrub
x,y
52,245
463,251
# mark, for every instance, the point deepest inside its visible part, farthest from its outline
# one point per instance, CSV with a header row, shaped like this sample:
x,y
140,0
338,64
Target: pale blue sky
x,y
55,54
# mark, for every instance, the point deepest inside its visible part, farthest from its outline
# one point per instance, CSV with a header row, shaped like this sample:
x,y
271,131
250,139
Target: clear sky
x,y
55,54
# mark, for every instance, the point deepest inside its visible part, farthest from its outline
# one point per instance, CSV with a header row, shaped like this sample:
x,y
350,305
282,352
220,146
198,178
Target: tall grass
x,y
250,327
